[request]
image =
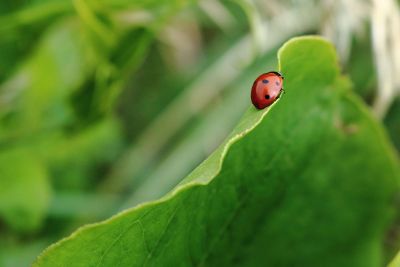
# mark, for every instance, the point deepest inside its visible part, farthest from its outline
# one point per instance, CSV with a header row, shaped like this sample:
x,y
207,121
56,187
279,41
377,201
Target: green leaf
x,y
307,182
24,190
37,98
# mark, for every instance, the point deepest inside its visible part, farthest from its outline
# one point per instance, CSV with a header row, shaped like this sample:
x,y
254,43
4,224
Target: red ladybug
x,y
266,89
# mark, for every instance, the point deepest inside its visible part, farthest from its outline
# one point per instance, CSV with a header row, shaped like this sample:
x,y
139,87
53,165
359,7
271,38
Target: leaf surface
x,y
308,182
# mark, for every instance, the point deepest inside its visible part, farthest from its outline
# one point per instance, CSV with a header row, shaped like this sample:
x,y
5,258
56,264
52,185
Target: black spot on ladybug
x,y
277,83
267,97
265,81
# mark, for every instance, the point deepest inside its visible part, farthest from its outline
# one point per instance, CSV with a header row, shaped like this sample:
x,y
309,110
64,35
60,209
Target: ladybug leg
x,y
280,93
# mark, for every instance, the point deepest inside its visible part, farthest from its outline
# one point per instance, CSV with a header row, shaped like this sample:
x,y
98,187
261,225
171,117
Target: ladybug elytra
x,y
266,89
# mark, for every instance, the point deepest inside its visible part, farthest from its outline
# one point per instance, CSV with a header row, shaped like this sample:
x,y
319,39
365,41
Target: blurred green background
x,y
106,104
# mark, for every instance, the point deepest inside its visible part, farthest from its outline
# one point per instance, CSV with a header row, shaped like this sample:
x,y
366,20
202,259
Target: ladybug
x,y
266,89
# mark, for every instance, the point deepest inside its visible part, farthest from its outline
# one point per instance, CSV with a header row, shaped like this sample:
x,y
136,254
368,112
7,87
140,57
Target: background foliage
x,y
106,104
